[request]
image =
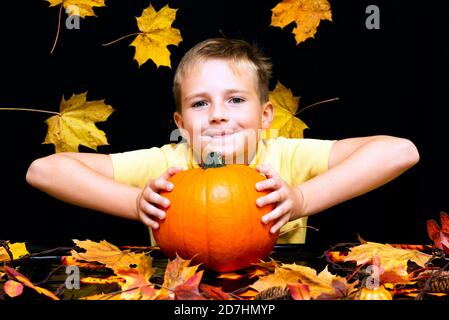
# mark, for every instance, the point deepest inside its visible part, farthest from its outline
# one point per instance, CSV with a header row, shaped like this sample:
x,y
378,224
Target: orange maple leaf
x,y
179,272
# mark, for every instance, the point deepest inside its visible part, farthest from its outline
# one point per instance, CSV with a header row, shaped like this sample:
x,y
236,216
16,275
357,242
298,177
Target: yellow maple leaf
x,y
307,15
393,261
111,256
156,34
17,249
285,106
81,8
75,124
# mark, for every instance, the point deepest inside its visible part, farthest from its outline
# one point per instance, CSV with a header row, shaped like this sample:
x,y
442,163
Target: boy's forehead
x,y
199,66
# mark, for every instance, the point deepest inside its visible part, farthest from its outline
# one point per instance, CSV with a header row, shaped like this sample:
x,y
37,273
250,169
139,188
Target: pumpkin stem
x,y
213,160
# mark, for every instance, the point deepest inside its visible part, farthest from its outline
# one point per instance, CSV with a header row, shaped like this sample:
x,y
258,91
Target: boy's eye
x,y
236,100
199,104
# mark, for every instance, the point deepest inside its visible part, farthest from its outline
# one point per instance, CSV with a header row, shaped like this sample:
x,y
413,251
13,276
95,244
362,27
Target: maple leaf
x,y
189,290
16,275
439,236
75,124
17,250
321,286
178,272
111,256
391,261
285,106
307,14
299,291
138,285
215,293
156,34
80,8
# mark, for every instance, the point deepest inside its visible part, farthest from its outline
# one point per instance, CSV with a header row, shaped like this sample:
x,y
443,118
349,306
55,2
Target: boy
x,y
221,94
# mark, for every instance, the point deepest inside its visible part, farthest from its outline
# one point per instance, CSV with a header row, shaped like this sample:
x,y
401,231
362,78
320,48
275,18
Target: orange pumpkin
x,y
213,218
377,293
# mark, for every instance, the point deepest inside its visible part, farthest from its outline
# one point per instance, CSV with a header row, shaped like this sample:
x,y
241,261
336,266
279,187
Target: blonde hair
x,y
238,52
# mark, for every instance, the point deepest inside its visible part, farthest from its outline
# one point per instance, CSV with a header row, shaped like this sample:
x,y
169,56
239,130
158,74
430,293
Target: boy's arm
x,y
356,166
85,180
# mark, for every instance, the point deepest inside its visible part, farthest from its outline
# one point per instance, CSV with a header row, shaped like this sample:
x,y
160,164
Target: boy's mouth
x,y
219,133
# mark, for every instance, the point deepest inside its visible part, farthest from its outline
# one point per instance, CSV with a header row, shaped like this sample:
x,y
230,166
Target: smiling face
x,y
221,110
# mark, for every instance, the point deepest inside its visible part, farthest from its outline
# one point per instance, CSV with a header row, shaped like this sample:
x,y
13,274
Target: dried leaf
x,y
189,290
215,293
17,249
439,236
112,257
13,288
137,286
156,34
322,286
178,272
285,106
392,261
80,8
25,281
75,124
307,14
299,291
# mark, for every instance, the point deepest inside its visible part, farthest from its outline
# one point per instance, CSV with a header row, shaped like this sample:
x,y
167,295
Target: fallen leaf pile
x,y
405,271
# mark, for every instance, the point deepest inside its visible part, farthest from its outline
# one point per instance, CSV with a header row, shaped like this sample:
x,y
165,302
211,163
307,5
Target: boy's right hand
x,y
149,199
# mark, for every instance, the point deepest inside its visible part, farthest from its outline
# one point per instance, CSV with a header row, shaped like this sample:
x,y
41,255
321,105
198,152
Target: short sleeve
x,y
306,158
136,168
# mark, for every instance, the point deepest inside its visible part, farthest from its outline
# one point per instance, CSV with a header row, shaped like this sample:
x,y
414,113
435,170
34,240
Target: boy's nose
x,y
217,114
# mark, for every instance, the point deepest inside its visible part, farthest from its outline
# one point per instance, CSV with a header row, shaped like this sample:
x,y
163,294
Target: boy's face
x,y
221,111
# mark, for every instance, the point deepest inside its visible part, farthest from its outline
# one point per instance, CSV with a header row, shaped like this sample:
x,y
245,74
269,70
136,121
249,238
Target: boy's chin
x,y
229,156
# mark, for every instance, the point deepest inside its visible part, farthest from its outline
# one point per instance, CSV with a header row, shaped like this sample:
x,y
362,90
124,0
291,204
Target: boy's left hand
x,y
289,200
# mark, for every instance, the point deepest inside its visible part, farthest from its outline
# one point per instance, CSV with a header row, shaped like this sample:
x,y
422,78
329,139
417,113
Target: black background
x,y
389,81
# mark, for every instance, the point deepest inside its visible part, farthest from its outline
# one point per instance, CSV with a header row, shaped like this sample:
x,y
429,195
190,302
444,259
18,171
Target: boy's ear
x,y
178,120
267,114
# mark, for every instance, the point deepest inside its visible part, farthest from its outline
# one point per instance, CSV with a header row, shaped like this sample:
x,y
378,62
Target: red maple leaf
x,y
439,236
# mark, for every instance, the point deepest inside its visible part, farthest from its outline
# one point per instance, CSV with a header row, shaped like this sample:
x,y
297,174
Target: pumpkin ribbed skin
x,y
213,218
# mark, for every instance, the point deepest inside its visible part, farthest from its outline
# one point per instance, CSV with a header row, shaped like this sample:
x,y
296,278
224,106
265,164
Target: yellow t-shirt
x,y
296,161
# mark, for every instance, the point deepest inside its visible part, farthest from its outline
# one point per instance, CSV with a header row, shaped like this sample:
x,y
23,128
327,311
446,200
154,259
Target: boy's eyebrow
x,y
228,91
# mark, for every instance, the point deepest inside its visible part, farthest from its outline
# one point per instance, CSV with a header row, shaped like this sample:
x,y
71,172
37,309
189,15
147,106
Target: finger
x,y
170,172
279,224
267,170
272,197
149,209
161,184
148,221
275,214
272,184
155,198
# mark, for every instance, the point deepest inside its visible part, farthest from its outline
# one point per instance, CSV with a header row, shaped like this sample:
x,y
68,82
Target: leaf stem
x,y
121,38
317,103
26,109
59,28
